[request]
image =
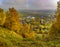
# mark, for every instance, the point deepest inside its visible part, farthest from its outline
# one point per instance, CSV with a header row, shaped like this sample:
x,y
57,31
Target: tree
x,y
27,31
2,17
55,29
12,20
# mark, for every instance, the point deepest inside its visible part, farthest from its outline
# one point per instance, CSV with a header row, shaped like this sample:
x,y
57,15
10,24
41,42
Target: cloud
x,y
19,4
43,4
29,4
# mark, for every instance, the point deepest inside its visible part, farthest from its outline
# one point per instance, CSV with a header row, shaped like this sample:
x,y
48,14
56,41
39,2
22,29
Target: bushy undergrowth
x,y
11,39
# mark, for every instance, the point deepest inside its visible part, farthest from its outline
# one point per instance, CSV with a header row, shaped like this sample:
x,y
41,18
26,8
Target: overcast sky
x,y
29,4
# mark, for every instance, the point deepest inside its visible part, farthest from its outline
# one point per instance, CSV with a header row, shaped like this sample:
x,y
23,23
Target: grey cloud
x,y
31,4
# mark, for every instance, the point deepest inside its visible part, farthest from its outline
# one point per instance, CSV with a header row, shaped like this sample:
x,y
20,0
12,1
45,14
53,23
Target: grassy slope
x,y
9,38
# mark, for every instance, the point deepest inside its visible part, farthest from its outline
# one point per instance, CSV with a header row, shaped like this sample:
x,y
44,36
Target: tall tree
x,y
55,29
12,20
2,17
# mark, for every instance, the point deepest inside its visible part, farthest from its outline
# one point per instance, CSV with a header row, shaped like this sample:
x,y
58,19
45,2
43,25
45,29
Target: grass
x,y
11,39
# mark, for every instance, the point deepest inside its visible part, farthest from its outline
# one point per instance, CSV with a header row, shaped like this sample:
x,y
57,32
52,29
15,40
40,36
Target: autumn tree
x,y
55,29
2,16
27,31
12,20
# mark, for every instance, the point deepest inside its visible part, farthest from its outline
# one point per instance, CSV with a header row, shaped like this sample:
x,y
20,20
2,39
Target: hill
x,y
9,38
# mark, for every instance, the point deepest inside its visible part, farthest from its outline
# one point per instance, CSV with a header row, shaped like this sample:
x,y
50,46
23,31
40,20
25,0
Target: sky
x,y
29,4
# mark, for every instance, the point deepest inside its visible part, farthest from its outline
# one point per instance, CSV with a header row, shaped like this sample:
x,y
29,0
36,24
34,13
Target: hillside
x,y
9,38
34,33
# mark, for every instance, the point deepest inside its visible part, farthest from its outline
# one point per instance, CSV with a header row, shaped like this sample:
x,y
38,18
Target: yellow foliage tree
x,y
27,31
2,17
12,20
55,29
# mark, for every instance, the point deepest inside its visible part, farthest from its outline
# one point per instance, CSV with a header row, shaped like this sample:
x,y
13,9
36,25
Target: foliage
x,y
25,36
12,21
2,16
9,38
55,29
